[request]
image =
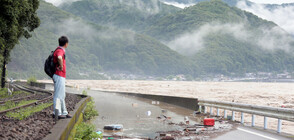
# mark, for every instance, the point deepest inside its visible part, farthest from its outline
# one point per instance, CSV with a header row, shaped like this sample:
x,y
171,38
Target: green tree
x,y
17,19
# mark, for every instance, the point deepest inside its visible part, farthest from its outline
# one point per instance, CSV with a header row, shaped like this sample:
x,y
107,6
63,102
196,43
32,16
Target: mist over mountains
x,y
281,14
153,38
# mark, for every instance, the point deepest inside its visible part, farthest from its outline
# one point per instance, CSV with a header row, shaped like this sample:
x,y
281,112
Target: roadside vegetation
x,y
90,111
83,129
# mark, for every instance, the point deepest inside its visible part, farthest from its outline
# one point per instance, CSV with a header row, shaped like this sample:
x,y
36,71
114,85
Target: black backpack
x,y
49,66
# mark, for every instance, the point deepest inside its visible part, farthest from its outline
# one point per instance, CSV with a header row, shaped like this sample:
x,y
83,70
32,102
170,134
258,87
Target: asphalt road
x,y
248,133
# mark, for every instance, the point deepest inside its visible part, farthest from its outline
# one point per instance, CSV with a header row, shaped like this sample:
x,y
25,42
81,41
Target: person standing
x,y
59,78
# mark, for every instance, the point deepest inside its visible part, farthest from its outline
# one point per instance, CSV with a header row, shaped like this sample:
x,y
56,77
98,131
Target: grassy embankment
x,y
4,93
26,112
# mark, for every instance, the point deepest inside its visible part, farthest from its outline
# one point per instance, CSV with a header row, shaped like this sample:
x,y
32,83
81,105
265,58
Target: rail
x,y
271,112
31,90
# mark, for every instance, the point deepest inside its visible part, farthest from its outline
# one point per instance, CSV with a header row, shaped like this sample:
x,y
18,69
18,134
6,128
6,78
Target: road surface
x,y
249,133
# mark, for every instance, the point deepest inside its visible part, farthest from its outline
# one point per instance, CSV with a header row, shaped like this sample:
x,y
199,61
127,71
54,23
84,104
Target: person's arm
x,y
60,62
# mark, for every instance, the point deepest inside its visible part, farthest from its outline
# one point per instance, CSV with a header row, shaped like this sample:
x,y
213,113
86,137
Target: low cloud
x,y
271,39
74,27
272,1
179,5
190,43
275,38
59,2
151,6
281,15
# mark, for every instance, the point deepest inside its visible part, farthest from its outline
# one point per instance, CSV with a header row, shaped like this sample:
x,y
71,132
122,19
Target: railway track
x,y
18,99
34,91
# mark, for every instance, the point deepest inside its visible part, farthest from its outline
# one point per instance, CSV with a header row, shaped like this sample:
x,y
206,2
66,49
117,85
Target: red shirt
x,y
60,52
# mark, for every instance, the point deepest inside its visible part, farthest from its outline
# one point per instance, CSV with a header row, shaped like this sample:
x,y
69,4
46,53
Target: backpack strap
x,y
57,49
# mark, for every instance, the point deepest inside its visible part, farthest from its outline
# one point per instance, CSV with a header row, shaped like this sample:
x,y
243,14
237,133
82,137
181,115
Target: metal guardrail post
x,y
242,118
217,112
205,109
225,114
279,125
268,112
253,120
265,123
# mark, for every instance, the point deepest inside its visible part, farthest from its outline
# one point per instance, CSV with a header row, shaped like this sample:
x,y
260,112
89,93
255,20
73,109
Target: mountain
x,y
93,49
229,2
224,39
191,18
129,14
275,6
206,39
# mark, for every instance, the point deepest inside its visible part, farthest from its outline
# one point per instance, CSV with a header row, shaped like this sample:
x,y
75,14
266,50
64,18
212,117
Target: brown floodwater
x,y
139,116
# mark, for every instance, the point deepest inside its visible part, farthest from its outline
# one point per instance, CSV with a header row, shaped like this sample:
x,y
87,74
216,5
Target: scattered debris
x,y
211,128
148,113
120,137
186,119
113,127
163,111
208,121
167,138
196,113
100,135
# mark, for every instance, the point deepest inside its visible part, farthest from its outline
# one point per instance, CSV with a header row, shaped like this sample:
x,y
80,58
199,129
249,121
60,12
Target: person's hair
x,y
62,40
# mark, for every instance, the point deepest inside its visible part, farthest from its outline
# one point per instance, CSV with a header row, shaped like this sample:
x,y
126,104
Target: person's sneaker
x,y
68,116
61,117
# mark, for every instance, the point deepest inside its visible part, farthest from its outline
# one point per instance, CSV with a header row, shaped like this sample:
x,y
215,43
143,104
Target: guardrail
x,y
271,112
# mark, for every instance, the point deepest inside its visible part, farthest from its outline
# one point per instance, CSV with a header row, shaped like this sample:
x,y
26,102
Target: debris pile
x,y
211,128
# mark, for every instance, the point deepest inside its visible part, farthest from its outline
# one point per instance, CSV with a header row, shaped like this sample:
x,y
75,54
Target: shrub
x,y
84,92
86,131
90,111
32,79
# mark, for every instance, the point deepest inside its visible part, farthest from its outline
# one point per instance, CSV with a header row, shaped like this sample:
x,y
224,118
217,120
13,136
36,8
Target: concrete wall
x,y
189,103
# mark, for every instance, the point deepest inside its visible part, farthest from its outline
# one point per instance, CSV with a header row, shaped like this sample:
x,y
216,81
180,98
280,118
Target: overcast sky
x,y
273,1
283,16
57,2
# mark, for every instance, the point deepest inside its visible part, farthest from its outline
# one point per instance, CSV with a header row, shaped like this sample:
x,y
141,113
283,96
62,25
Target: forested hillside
x,y
93,48
194,17
150,38
129,14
